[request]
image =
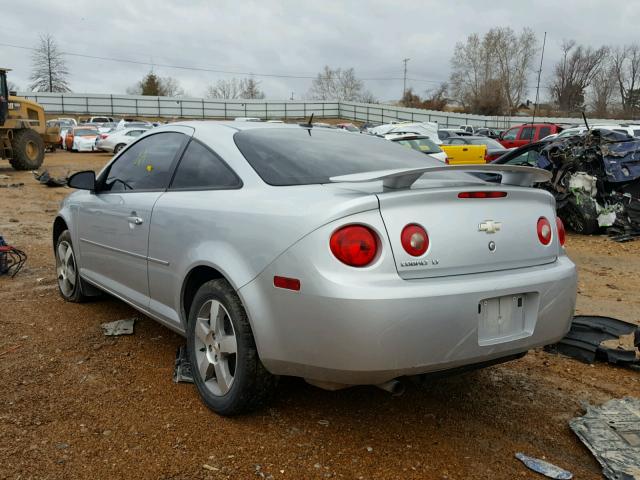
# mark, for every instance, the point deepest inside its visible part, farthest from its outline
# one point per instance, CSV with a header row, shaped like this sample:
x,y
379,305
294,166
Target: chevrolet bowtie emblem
x,y
489,226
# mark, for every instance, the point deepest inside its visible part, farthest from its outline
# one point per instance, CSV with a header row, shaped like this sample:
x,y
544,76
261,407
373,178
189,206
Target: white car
x,y
420,143
427,129
116,140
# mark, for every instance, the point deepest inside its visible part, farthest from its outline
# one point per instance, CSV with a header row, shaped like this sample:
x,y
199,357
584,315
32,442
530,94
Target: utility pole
x,y
404,83
535,105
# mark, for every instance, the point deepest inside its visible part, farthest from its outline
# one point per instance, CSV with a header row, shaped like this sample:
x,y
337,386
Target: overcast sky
x,y
291,38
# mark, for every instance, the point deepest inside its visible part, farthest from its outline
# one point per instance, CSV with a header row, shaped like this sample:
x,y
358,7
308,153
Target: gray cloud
x,y
291,37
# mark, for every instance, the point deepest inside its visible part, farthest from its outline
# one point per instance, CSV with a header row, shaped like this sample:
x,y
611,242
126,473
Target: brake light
x,y
103,136
287,283
354,245
544,231
561,232
414,239
482,194
446,160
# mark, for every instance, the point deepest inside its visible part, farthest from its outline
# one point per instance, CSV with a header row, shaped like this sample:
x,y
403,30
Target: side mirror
x,y
85,180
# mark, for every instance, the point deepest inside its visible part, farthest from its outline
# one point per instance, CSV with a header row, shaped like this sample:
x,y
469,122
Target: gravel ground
x,y
76,404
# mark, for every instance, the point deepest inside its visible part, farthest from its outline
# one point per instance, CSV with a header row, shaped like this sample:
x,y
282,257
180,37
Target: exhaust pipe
x,y
394,387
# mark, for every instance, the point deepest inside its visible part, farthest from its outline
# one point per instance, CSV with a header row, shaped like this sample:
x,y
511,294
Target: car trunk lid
x,y
469,235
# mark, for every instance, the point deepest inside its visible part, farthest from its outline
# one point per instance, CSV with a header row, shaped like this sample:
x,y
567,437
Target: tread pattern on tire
x,y
19,160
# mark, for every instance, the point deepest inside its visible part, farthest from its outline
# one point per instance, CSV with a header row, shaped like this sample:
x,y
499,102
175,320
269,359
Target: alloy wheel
x,y
66,268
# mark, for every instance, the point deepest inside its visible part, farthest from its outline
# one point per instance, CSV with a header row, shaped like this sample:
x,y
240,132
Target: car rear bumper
x,y
341,333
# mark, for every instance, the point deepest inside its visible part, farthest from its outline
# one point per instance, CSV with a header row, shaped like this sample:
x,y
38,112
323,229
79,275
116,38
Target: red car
x,y
526,133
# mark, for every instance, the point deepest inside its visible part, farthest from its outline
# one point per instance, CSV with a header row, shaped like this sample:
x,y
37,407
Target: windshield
x,y
292,156
423,145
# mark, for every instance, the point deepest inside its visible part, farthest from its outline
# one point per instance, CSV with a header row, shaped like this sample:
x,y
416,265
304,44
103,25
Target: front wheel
x,y
117,148
225,365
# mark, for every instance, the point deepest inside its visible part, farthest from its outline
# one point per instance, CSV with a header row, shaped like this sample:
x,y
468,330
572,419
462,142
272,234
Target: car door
x,y
113,224
509,138
192,217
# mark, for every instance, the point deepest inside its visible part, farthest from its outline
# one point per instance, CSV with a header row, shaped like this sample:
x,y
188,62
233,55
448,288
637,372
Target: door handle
x,y
135,220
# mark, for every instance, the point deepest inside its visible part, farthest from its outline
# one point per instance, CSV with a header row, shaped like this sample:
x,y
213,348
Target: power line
x,y
212,70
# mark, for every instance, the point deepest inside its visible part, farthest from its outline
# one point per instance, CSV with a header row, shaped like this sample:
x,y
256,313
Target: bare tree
x,y
626,69
436,99
49,68
574,73
250,89
171,87
489,74
603,87
246,88
338,84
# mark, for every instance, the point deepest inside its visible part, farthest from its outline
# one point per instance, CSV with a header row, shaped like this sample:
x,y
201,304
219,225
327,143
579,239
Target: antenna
x,y
535,105
584,117
404,84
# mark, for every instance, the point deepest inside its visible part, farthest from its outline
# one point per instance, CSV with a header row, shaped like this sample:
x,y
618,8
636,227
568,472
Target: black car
x,y
488,132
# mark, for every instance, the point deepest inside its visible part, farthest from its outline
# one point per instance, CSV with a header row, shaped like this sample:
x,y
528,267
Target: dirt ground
x,y
76,404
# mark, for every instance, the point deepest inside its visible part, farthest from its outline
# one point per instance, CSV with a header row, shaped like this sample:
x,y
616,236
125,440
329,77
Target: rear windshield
x,y
489,142
305,156
82,132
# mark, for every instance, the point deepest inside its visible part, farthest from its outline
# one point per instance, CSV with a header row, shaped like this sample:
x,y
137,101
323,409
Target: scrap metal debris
x,y
545,468
593,337
612,434
11,185
596,181
119,327
11,259
46,179
182,370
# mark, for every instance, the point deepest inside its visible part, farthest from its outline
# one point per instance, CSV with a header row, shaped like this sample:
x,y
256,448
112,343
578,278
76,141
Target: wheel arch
x,y
193,280
59,226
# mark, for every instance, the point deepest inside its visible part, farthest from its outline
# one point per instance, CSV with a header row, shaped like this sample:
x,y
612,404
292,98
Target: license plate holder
x,y
506,318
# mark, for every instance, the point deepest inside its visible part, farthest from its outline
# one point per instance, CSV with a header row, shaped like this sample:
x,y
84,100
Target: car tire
x,y
117,148
70,284
224,359
28,149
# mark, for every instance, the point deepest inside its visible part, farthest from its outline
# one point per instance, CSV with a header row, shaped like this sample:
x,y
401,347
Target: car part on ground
x,y
182,372
594,338
46,179
612,433
11,259
119,327
547,469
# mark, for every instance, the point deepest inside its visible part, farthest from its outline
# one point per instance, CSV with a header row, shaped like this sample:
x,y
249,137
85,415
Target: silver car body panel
x,y
346,325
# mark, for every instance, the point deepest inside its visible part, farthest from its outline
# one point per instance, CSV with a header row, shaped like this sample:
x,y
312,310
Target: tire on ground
x,y
28,150
252,385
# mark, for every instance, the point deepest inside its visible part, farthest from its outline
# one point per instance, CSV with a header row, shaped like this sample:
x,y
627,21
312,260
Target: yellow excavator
x,y
24,134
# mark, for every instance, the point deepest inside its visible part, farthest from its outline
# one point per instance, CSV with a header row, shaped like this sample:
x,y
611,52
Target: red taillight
x,y
354,245
285,282
544,231
482,194
446,160
561,233
103,136
414,239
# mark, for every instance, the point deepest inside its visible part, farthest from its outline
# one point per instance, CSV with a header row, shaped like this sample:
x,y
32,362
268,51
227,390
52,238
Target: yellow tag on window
x,y
149,168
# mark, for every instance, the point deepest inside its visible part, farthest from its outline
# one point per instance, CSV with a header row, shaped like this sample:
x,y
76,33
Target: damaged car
x,y
595,179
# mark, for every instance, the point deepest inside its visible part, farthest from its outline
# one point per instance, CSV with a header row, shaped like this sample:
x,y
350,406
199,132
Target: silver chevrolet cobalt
x,y
340,258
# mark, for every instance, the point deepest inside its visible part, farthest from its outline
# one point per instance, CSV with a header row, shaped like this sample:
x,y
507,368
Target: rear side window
x,y
527,133
200,168
300,156
544,132
146,165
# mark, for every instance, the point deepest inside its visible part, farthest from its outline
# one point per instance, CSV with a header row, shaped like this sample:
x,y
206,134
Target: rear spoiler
x,y
405,177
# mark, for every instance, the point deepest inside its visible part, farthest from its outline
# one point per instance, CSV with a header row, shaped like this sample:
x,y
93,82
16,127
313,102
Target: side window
x,y
544,132
527,133
458,141
201,168
146,165
511,134
134,133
